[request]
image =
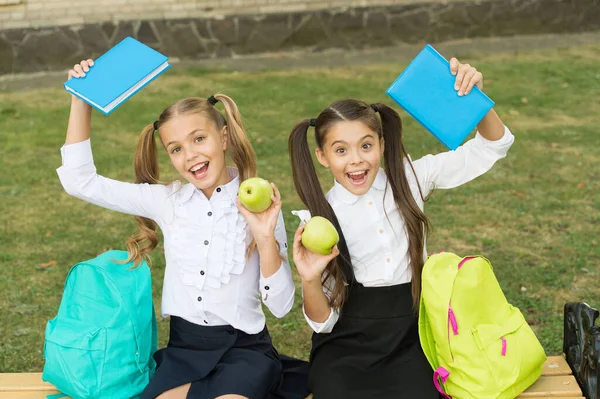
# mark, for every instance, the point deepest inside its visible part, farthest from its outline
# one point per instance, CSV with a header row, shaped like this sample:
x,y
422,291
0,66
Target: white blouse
x,y
208,278
372,225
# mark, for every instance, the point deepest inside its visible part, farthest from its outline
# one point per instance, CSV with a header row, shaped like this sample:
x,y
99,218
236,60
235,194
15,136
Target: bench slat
x,y
553,386
29,395
556,365
23,382
556,383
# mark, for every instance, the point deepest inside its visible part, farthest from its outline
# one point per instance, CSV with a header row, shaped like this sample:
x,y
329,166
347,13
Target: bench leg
x,y
581,346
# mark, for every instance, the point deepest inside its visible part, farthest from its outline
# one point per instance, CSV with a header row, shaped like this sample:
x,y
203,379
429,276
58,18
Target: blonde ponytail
x,y
240,149
145,240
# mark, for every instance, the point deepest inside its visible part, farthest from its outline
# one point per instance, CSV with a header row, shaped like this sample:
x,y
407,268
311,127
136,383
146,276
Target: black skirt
x,y
373,350
222,360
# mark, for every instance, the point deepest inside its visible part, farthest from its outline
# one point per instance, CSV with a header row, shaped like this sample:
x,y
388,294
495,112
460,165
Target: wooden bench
x,y
556,382
574,375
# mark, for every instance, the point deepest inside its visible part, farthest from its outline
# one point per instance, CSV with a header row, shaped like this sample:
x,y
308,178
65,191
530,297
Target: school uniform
x,y
371,347
218,339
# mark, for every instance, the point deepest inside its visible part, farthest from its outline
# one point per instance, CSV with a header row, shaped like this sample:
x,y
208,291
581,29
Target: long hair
x,y
389,127
145,239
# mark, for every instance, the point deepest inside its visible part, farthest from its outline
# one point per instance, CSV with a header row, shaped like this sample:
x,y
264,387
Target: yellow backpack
x,y
479,345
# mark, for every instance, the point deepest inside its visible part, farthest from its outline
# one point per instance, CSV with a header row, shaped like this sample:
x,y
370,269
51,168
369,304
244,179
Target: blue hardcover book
x,y
118,74
426,91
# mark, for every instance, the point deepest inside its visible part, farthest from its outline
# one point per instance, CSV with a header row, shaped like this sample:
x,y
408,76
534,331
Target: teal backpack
x,y
101,342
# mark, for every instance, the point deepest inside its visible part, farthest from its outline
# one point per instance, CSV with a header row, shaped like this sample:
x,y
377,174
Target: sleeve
x,y
469,161
327,325
79,178
277,290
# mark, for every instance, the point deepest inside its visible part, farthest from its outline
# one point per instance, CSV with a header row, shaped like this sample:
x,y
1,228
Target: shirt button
x,y
231,332
218,189
388,260
370,203
205,322
202,272
205,242
199,299
209,213
381,230
267,287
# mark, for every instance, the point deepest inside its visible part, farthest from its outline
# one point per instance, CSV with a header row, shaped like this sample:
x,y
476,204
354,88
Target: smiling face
x,y
352,152
196,148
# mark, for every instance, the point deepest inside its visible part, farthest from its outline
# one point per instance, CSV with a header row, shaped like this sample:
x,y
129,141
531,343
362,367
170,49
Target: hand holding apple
x,y
255,194
309,263
320,235
262,223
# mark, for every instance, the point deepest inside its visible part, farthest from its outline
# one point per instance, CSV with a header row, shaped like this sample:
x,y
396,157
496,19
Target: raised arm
x,y
81,113
476,156
78,172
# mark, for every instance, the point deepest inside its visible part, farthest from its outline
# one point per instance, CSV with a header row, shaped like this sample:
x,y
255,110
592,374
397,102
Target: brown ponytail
x,y
307,185
417,224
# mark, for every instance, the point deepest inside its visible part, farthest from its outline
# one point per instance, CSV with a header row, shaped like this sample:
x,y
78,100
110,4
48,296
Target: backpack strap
x,y
443,374
437,285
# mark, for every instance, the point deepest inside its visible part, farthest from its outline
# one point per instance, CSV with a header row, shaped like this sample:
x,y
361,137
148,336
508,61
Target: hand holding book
x,y
434,92
490,126
81,112
79,70
466,77
113,80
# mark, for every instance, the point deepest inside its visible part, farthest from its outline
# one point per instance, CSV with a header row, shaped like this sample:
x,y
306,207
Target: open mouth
x,y
200,170
357,178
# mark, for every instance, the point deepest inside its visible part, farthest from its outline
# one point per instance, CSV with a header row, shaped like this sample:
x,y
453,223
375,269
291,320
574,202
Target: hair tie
x,y
374,107
312,122
155,125
212,100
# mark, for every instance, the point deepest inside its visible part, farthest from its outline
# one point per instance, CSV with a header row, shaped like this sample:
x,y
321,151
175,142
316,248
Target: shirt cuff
x,y
324,327
77,154
275,283
500,146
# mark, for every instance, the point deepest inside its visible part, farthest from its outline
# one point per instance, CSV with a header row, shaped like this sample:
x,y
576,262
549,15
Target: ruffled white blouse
x,y
209,279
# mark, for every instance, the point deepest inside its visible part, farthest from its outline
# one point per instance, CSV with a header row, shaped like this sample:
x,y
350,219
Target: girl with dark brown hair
x,y
361,300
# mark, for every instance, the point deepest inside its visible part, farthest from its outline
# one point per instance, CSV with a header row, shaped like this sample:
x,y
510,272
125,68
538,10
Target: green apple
x,y
255,194
319,235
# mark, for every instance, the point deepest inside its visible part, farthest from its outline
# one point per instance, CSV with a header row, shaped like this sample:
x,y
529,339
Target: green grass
x,y
536,215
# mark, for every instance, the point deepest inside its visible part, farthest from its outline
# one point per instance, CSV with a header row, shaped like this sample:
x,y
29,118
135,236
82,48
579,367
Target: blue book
x,y
426,91
118,74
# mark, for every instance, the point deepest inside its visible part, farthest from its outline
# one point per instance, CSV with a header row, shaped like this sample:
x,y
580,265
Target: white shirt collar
x,y
231,188
347,197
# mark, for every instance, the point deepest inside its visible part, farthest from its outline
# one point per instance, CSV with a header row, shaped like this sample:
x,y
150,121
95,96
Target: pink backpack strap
x,y
443,374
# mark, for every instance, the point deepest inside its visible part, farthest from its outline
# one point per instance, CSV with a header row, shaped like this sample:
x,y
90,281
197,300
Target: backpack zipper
x,y
452,323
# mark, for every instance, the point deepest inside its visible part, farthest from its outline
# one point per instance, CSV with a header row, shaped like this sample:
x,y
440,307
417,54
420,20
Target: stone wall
x,y
29,49
39,13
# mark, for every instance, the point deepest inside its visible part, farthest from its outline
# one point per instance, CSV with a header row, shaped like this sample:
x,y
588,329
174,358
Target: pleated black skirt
x,y
222,360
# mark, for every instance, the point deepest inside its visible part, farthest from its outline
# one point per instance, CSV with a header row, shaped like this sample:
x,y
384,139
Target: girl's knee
x,y
176,393
231,397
